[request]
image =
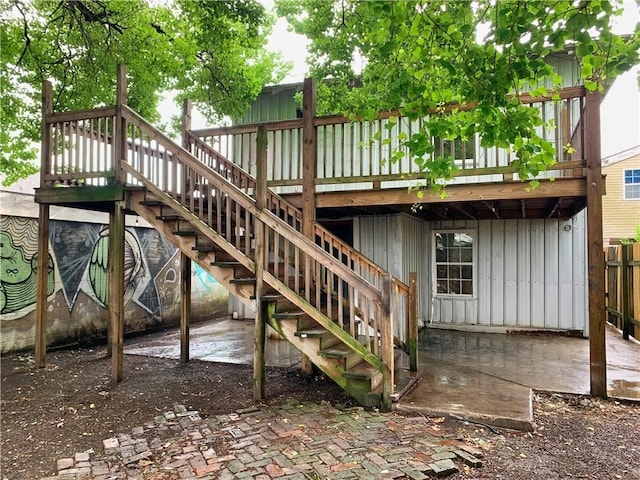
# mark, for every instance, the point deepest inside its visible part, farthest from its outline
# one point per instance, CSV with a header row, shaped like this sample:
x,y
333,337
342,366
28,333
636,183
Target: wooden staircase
x,y
333,304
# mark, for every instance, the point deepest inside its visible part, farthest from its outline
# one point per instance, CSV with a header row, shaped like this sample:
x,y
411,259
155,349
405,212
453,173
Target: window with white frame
x,y
454,262
632,184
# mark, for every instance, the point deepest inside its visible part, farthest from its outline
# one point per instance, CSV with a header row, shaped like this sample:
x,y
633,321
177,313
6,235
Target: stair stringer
x,y
246,293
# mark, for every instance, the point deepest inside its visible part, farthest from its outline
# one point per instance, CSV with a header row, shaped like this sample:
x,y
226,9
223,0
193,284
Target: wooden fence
x,y
622,288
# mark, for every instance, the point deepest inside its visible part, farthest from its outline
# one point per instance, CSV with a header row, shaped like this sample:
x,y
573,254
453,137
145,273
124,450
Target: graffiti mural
x,y
78,279
18,266
134,270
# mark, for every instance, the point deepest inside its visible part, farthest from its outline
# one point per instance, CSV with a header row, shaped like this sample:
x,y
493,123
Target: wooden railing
x,y
331,244
80,148
228,216
347,153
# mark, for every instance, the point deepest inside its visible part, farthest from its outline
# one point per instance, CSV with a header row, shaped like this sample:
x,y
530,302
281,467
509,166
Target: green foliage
x,y
420,56
212,52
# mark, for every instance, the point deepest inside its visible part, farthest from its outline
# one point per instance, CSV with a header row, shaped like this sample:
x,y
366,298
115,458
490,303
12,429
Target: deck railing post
x,y
386,341
42,276
595,190
120,135
412,334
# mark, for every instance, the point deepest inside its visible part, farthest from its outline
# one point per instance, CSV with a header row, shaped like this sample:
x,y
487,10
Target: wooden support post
x,y
116,236
309,172
412,335
186,122
185,306
42,277
626,290
116,289
260,255
386,341
42,280
595,189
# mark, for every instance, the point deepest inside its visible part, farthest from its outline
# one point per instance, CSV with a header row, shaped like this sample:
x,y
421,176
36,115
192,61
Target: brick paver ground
x,y
295,441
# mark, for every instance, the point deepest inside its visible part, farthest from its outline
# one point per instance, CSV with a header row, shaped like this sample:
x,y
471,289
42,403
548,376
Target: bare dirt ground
x,y
70,406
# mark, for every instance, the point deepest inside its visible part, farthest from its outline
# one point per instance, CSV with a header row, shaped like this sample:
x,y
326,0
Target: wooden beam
x,y
594,184
79,195
493,208
413,322
467,210
386,342
42,279
553,208
42,274
115,300
309,171
571,187
259,327
185,306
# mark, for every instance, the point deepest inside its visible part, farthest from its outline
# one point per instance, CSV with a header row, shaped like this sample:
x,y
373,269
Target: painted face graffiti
x,y
14,267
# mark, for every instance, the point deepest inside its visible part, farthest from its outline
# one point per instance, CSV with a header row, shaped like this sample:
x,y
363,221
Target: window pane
x,y
466,255
467,272
632,191
454,271
454,263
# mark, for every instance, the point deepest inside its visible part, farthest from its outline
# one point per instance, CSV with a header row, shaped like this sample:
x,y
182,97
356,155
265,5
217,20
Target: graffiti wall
x,y
78,288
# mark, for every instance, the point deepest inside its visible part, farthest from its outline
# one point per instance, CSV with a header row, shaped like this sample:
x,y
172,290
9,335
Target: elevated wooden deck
x,y
217,183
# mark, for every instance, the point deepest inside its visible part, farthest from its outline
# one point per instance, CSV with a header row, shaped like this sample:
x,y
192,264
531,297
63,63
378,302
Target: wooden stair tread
x,y
151,203
311,332
289,315
361,371
170,217
244,281
185,233
226,264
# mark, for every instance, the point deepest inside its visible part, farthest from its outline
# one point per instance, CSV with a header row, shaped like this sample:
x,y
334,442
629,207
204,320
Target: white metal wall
x,y
530,273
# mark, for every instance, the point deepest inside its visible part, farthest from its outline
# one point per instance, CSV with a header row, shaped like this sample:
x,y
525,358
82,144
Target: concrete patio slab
x,y
478,376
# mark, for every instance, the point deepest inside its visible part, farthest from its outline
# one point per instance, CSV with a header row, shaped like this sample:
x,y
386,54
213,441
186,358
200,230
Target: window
x,y
632,184
454,262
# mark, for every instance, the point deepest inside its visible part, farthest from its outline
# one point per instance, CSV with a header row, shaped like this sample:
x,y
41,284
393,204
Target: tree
x,y
422,57
211,52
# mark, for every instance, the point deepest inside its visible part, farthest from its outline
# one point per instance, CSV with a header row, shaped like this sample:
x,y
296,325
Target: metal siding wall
x,y
523,315
537,274
483,287
530,273
551,273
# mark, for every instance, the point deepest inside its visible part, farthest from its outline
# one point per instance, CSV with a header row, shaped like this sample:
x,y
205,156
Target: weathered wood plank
x,y
594,187
116,289
86,194
185,306
562,187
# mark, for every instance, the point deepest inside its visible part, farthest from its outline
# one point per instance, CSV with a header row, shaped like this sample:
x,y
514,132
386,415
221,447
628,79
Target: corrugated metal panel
x,y
529,274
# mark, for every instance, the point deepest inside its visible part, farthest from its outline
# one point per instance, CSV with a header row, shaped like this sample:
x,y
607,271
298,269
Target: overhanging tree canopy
x,y
422,56
211,52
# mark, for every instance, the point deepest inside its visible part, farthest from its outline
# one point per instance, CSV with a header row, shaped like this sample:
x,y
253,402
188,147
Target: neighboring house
x,y
77,280
621,204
